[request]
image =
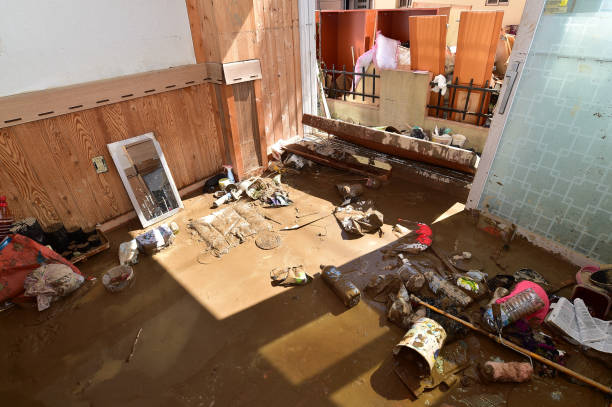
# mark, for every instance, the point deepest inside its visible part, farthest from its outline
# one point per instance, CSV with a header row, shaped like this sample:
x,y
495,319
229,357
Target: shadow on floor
x,y
219,335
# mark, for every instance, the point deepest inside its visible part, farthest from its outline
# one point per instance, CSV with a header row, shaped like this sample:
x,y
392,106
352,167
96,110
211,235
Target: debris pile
x,y
228,227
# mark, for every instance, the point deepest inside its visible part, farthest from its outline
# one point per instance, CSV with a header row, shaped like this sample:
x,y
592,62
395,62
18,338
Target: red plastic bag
x,y
19,255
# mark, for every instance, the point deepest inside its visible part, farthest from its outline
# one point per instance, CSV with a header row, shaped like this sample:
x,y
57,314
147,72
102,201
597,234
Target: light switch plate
x,y
99,164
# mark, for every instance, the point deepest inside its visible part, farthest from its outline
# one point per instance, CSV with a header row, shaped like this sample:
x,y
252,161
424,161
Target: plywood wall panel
x,y
479,33
46,169
259,9
30,193
268,30
428,43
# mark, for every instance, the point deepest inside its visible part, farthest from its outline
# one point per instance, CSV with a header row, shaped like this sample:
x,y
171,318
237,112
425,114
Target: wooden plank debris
x,y
428,43
397,144
479,33
356,168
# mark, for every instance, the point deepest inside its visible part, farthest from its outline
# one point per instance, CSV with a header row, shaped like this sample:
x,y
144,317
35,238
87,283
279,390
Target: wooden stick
x,y
296,226
273,220
454,272
133,346
501,341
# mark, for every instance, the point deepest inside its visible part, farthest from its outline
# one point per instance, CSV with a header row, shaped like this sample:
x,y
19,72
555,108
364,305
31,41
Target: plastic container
x,y
6,219
458,140
344,289
596,299
602,278
442,139
412,278
118,278
468,284
522,304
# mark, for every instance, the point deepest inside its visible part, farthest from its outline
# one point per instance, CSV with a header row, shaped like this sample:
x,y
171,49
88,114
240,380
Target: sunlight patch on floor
x,y
318,345
453,210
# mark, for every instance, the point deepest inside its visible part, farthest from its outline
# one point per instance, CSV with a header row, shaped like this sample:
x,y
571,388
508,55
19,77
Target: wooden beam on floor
x,y
356,168
397,144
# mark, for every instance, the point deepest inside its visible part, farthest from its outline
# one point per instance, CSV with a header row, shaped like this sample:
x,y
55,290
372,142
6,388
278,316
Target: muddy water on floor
x,y
219,334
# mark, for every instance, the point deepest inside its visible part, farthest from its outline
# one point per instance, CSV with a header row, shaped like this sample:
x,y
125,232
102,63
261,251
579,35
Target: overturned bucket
x,y
424,340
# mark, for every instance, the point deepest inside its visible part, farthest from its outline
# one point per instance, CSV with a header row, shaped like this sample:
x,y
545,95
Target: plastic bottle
x,y
522,304
468,284
6,219
344,289
439,285
412,277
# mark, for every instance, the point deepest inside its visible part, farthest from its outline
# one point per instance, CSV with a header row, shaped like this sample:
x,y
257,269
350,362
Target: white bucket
x,y
458,140
426,338
442,139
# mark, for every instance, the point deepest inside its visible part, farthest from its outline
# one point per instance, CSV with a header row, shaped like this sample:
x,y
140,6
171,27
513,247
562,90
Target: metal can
x,y
426,338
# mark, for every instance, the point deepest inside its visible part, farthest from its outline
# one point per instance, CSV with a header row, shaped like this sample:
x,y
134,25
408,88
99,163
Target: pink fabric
x,y
524,285
386,54
363,61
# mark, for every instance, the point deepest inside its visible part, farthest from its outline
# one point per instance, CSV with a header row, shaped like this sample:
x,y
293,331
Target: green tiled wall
x,y
552,173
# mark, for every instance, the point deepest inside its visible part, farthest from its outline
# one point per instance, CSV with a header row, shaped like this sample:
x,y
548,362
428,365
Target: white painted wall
x,y
51,43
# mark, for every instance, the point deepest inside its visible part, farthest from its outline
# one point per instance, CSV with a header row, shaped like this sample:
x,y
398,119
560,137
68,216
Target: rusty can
x,y
426,338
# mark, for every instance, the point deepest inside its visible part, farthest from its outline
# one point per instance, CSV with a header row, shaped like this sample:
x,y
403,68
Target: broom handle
x,y
550,363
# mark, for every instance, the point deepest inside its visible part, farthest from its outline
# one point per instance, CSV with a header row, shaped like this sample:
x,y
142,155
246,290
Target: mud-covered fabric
x,y
19,256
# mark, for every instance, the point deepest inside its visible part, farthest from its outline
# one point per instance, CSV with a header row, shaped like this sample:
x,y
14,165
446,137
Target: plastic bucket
x,y
442,139
118,278
425,338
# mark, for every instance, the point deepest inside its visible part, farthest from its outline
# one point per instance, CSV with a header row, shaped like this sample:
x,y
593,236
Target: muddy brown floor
x,y
219,334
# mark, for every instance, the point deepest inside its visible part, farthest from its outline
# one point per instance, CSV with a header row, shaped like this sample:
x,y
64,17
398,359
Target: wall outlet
x,y
99,164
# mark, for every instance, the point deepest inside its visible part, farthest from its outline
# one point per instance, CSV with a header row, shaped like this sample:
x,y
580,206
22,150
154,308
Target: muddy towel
x,y
19,256
50,282
358,219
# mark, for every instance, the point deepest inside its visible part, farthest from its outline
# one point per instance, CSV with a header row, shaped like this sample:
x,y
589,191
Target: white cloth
x,y
440,82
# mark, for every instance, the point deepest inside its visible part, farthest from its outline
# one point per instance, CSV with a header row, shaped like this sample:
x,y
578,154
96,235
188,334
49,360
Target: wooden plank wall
x,y
267,30
278,41
46,168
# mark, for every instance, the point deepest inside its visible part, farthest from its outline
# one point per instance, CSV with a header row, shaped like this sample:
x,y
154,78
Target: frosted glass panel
x,y
552,172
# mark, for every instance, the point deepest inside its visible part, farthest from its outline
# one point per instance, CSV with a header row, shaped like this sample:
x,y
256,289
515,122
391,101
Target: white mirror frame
x,y
114,148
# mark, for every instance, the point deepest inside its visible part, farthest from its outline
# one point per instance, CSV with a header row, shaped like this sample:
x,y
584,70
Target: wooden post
x,y
232,130
263,145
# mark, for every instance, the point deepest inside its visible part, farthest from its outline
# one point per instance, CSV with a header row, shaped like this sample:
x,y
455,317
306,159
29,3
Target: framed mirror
x,y
146,177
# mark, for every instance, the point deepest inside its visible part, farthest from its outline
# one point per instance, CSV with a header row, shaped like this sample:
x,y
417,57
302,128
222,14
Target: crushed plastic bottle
x,y
468,284
522,304
412,278
438,285
344,289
